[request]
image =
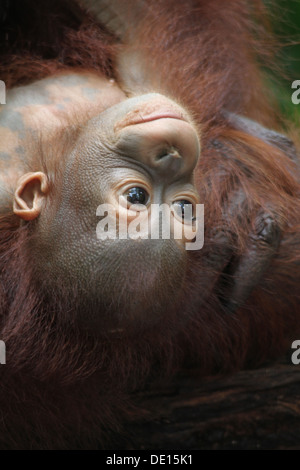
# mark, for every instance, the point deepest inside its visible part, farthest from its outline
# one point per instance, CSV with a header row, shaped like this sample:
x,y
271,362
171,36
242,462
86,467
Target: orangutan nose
x,y
167,145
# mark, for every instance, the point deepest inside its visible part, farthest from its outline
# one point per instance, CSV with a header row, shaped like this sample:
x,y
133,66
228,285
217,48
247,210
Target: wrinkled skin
x,y
121,143
147,142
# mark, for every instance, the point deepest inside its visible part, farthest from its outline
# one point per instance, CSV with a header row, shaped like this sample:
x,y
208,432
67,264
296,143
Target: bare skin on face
x,y
138,149
43,107
143,146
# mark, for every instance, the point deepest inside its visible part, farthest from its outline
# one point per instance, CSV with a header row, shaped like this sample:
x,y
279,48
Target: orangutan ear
x,y
30,195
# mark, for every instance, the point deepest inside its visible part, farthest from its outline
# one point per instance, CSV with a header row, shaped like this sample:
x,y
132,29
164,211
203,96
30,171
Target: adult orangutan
x,y
158,102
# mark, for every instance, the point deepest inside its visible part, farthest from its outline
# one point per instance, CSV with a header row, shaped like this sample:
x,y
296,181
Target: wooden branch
x,y
253,409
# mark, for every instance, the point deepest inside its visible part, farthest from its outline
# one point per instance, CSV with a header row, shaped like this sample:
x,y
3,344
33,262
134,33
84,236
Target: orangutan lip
x,y
155,117
141,117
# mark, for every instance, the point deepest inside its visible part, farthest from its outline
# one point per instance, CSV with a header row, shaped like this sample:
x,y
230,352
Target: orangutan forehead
x,y
47,101
44,109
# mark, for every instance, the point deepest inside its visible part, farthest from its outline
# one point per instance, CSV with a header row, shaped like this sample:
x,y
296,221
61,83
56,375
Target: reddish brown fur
x,y
60,388
28,53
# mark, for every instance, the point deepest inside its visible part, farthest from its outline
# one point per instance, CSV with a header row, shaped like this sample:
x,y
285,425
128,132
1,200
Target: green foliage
x,y
286,24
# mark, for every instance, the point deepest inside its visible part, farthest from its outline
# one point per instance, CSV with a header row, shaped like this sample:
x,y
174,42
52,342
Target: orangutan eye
x,y
184,209
137,196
